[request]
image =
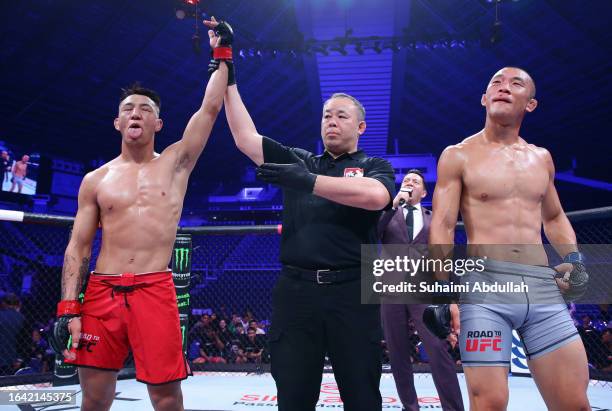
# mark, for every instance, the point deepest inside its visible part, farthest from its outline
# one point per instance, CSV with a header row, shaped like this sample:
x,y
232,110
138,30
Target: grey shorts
x,y
486,326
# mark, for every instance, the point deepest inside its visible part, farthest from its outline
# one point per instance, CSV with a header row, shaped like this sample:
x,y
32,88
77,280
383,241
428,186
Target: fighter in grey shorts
x,y
504,188
539,315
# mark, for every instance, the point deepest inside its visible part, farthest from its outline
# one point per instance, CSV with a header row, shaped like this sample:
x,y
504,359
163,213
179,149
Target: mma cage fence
x,y
220,272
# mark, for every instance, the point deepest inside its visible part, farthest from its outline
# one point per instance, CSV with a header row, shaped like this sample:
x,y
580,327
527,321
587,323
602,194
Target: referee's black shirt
x,y
318,233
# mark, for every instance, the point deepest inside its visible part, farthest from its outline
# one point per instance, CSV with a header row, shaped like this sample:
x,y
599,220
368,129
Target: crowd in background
x,y
241,339
236,340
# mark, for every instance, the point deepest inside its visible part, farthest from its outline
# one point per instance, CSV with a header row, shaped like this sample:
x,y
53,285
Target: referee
x,y
332,203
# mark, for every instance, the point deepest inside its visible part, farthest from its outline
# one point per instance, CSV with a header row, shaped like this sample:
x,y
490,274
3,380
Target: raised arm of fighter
x,y
198,129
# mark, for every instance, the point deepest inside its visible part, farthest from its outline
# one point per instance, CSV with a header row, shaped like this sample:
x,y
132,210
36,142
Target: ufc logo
x,y
475,344
87,345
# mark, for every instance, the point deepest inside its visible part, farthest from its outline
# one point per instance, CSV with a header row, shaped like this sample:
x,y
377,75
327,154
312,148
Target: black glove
x,y
225,31
61,335
294,176
578,278
437,320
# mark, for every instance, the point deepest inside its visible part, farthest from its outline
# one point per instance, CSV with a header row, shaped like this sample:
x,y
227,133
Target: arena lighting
x,y
196,43
496,30
359,48
340,48
342,45
189,8
376,47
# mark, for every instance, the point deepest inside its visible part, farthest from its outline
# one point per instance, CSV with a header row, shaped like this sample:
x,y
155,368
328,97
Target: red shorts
x,y
133,311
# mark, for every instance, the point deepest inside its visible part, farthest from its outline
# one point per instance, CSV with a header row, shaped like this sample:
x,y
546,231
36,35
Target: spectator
x,y
238,355
255,347
211,348
214,321
199,329
240,332
255,326
592,340
234,321
12,326
39,358
224,333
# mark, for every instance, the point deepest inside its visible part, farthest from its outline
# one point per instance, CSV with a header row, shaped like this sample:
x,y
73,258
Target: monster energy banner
x,y
181,273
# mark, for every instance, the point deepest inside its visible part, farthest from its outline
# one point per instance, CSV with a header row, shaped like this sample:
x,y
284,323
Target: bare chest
x,y
506,174
142,187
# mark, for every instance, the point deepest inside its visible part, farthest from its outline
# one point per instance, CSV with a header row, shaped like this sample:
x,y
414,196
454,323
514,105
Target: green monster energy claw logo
x,y
181,258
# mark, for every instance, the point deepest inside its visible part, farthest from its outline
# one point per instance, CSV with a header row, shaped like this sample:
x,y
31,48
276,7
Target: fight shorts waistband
x,y
135,274
322,276
523,270
128,282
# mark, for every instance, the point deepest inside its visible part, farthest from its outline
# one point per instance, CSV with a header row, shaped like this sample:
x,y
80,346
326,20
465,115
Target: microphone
x,y
405,190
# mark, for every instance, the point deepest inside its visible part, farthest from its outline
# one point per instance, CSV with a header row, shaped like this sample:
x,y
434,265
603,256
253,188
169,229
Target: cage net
x,y
232,276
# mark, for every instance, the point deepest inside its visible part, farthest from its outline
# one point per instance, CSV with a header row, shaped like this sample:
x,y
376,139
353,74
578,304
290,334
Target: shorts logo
x,y
181,258
483,341
353,172
88,342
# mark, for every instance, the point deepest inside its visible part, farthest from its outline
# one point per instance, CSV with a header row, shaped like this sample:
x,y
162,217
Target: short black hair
x,y
11,300
136,88
360,110
417,172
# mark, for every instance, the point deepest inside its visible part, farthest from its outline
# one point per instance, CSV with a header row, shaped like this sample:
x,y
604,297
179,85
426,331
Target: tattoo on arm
x,y
69,272
83,271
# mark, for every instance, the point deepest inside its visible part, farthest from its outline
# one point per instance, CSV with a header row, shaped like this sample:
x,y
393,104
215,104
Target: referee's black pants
x,y
311,320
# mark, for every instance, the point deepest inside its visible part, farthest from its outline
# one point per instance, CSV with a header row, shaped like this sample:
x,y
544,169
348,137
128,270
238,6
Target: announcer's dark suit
x,y
392,230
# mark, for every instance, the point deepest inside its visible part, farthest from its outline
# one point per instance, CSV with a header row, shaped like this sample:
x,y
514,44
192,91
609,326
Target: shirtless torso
x,y
502,191
20,169
139,209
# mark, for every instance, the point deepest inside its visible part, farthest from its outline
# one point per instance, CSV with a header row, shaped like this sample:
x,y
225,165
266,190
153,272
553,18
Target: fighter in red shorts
x,y
130,301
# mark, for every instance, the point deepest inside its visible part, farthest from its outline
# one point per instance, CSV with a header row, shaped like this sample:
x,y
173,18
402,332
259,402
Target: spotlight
x,y
180,14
